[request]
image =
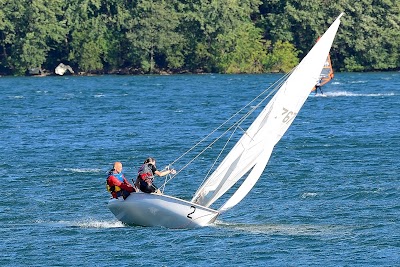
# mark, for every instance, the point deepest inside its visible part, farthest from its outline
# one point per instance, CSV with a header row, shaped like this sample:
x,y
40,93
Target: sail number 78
x,y
288,115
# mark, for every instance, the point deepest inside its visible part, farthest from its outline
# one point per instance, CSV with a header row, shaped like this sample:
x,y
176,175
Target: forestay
x,y
251,153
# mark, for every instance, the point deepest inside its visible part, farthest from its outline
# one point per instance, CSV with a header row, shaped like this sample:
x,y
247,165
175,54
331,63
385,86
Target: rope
x,y
276,85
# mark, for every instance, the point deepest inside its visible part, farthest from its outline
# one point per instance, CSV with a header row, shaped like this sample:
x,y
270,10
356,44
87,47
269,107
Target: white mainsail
x,y
252,152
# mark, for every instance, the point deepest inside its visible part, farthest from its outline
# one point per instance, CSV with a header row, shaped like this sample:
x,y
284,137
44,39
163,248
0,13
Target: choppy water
x,y
330,195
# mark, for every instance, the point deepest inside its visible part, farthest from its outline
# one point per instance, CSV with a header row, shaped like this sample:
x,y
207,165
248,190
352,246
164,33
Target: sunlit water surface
x,y
330,195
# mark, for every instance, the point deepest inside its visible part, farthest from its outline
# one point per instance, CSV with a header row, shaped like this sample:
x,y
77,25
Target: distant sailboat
x,y
246,160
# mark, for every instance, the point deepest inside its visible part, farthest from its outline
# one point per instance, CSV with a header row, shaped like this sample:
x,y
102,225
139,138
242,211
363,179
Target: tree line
x,y
176,36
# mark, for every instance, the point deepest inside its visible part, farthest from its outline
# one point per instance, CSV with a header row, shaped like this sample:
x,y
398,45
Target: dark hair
x,y
148,160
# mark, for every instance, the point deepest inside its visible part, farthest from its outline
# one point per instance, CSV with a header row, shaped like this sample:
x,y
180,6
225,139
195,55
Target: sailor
x,y
117,184
146,174
318,86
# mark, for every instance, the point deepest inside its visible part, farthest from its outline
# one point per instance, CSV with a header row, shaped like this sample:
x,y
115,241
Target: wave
x,y
87,223
98,224
16,97
83,170
308,195
346,93
358,81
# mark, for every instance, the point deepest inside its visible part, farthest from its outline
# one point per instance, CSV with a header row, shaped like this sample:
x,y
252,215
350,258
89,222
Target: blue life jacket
x,y
119,176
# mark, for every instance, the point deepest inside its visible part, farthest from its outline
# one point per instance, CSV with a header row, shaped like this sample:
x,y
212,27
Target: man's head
x,y
118,167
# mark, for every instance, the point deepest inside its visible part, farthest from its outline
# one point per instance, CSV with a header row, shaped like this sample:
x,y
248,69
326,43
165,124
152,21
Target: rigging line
x,y
276,85
236,124
220,153
201,152
207,136
162,187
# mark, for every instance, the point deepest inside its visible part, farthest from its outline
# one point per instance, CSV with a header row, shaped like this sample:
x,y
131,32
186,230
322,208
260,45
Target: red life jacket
x,y
145,173
115,190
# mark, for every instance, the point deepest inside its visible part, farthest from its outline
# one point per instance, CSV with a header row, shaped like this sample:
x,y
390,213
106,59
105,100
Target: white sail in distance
x,y
253,150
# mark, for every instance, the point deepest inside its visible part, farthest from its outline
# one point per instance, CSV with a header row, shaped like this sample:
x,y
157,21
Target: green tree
x,y
212,29
32,30
10,13
282,58
88,45
370,39
228,36
87,42
242,50
155,43
42,31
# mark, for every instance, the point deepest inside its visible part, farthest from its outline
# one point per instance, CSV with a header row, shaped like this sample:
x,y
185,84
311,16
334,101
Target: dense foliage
x,y
225,36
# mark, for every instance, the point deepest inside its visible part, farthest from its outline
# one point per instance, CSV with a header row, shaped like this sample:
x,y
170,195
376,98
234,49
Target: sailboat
x,y
246,160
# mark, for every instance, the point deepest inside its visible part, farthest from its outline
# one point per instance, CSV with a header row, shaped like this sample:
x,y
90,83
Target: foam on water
x,y
308,195
346,93
84,223
16,97
83,170
92,223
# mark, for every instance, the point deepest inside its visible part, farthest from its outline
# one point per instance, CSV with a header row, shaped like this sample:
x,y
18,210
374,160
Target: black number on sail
x,y
189,215
288,115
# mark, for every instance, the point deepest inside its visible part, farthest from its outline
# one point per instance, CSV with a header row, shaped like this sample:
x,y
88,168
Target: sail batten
x,y
253,150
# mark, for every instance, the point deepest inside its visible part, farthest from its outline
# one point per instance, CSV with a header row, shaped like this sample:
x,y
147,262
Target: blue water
x,y
330,195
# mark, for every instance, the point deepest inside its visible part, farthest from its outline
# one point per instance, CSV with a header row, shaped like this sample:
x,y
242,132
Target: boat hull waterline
x,y
161,210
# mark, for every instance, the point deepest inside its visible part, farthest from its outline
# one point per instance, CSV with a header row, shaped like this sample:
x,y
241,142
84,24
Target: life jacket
x,y
145,173
145,179
114,189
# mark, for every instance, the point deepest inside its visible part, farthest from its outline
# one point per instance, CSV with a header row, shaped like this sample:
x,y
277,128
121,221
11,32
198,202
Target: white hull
x,y
161,210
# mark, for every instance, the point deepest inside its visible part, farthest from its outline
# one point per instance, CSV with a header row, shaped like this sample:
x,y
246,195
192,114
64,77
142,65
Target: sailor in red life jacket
x,y
146,174
117,184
